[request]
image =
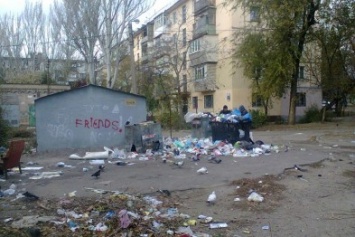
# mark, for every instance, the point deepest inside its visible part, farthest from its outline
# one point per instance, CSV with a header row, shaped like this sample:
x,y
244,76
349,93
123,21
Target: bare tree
x,y
80,22
11,35
33,20
115,17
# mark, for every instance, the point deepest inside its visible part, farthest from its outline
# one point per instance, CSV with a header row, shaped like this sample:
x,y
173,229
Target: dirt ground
x,y
317,201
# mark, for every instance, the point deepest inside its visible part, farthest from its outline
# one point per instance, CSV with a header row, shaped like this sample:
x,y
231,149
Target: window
x,y
257,100
184,37
174,17
184,82
301,99
254,14
157,42
159,21
195,102
200,72
175,39
184,61
195,46
301,72
183,16
208,101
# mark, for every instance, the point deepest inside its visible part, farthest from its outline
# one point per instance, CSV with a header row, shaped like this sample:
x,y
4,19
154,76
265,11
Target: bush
x,y
21,133
311,114
259,118
176,122
4,130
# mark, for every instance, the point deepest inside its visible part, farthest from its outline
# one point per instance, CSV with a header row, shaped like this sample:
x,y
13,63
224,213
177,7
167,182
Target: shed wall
x,y
88,117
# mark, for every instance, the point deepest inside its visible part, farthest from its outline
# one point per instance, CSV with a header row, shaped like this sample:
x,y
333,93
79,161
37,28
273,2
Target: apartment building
x,y
201,32
60,71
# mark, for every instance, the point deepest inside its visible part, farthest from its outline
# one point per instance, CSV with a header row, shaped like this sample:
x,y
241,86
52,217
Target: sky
x,y
17,6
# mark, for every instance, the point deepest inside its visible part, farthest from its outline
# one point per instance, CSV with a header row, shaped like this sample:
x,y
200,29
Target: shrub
x,y
259,118
311,114
176,122
4,130
21,133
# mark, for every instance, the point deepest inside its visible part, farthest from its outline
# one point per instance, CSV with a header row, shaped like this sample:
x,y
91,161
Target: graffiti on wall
x,y
98,123
100,128
59,129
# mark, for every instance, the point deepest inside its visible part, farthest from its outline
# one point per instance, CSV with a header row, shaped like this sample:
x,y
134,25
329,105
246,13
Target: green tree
x,y
253,54
288,24
336,62
4,129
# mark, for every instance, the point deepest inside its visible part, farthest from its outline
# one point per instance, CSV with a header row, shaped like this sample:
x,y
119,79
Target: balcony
x,y
144,39
204,30
201,5
204,85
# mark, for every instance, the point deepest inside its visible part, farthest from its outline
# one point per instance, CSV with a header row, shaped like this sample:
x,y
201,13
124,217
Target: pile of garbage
x,y
117,214
181,148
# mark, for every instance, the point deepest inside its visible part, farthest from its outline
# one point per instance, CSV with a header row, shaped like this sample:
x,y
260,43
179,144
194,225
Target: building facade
x,y
200,33
17,101
60,71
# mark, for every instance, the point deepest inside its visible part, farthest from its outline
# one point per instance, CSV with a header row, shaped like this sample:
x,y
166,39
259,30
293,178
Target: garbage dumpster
x,y
230,132
144,136
201,127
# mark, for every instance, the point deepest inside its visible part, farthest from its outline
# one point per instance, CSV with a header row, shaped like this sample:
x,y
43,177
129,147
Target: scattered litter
x,y
60,164
9,192
13,186
97,162
72,194
93,155
125,221
47,175
255,197
29,221
31,168
208,219
218,225
265,227
8,220
185,230
203,170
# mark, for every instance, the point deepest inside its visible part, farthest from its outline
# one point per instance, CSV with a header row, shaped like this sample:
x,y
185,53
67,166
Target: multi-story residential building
x,y
204,29
17,95
60,71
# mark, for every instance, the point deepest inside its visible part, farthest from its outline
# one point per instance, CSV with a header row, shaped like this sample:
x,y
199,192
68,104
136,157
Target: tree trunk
x,y
293,99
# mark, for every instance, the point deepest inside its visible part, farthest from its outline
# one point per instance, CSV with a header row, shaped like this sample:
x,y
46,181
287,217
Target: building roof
x,y
87,86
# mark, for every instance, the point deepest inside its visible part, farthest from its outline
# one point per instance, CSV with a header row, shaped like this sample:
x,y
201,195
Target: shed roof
x,y
87,86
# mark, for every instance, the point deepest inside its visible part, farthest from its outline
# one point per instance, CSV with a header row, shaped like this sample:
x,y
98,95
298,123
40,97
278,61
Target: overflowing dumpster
x,y
143,136
231,132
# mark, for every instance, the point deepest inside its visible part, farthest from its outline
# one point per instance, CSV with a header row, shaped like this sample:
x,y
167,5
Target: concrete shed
x,y
87,117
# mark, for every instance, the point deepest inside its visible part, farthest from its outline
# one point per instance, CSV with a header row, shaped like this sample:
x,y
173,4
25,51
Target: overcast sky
x,y
17,6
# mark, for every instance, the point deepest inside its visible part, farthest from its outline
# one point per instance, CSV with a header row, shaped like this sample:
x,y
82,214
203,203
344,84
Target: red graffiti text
x,y
97,123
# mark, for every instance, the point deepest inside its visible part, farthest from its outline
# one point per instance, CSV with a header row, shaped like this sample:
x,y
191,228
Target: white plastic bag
x,y
255,197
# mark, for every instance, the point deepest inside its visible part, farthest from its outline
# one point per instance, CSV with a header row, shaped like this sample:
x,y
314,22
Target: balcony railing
x,y
204,30
205,85
202,4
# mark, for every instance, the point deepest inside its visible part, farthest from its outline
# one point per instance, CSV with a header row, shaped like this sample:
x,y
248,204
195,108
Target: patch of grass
x,y
267,186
